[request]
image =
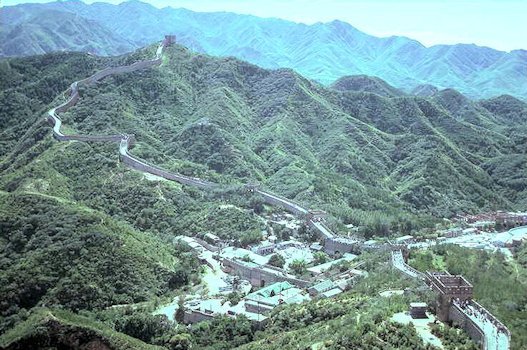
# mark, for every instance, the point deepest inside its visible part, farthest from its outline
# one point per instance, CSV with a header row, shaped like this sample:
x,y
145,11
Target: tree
x,y
298,267
277,260
247,258
256,203
180,342
320,258
143,326
179,315
251,237
234,298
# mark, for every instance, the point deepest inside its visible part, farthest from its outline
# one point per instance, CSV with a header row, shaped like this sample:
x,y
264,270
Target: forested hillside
x,y
83,232
322,51
354,153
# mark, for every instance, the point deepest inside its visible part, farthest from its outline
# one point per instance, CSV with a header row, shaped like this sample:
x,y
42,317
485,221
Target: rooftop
x,y
331,293
326,266
240,253
218,307
278,293
418,305
323,286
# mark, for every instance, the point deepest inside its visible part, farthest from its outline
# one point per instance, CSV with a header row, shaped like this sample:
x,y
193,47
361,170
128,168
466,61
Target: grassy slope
x,y
41,328
58,252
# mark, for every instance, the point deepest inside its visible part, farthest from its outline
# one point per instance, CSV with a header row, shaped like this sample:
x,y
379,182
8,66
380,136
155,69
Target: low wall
x,y
257,275
210,247
194,316
333,246
257,308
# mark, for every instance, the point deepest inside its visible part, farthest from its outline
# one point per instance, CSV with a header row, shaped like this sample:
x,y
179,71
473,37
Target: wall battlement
x,y
455,304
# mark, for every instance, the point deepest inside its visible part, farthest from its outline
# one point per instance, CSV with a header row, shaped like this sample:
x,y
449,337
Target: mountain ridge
x,y
365,116
323,51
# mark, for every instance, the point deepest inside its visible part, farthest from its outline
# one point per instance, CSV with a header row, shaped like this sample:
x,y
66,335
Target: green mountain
x,y
366,83
323,52
346,151
54,30
83,233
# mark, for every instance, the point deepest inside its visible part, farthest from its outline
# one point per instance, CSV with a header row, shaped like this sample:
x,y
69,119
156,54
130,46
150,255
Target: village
x,y
255,279
495,232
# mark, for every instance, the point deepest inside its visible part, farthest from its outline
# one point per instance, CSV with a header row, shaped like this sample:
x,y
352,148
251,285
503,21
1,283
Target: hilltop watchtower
x,y
170,39
449,287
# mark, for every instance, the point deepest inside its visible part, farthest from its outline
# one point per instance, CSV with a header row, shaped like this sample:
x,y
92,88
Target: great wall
x,y
333,243
455,305
455,302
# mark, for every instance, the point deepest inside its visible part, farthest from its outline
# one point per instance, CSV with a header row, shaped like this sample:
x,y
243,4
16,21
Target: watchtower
x,y
449,287
169,40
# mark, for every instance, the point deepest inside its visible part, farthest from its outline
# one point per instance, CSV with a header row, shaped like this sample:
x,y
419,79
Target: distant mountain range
x,y
323,51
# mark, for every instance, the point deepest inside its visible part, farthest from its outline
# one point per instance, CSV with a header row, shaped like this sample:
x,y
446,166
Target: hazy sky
x,y
501,24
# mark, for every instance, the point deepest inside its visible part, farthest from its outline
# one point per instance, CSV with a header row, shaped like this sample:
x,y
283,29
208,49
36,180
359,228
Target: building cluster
x,y
491,220
270,286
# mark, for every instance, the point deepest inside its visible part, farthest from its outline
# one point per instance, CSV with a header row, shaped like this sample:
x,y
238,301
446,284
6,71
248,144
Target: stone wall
x,y
122,69
195,316
207,245
256,275
285,203
140,165
497,323
337,245
258,308
460,319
